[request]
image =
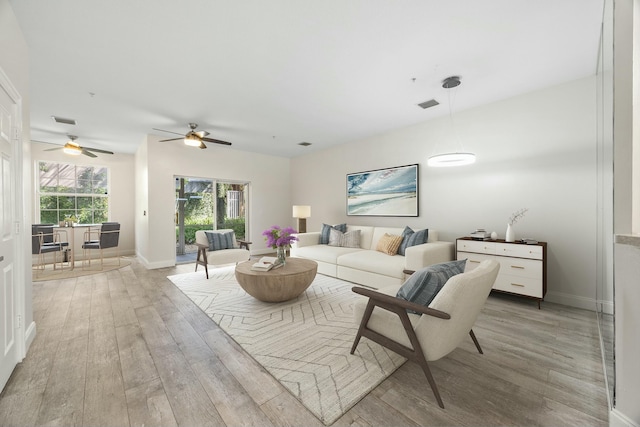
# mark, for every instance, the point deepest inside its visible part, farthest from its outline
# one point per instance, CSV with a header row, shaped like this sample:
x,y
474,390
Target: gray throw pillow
x,y
218,241
412,238
423,285
326,230
350,239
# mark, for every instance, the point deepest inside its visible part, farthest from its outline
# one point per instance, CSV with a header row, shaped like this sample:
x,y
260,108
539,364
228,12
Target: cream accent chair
x,y
239,253
383,318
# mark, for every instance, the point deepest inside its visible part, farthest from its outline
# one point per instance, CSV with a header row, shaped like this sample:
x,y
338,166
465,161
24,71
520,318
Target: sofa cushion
x,y
412,238
326,230
350,239
325,253
389,244
218,241
374,262
423,285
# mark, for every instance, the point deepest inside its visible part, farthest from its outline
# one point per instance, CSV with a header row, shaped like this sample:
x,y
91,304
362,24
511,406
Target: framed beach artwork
x,y
383,192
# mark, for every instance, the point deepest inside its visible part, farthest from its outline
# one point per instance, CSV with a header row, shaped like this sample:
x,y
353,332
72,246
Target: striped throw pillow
x,y
218,241
326,229
389,244
350,239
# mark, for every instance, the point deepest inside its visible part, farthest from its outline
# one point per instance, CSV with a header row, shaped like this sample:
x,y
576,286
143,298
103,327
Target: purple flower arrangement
x,y
279,237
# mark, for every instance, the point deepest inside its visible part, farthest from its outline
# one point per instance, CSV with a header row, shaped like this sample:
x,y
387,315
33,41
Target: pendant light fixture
x,y
457,158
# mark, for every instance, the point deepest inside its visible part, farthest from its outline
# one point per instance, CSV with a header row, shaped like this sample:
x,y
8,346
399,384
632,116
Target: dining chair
x,y
45,240
106,237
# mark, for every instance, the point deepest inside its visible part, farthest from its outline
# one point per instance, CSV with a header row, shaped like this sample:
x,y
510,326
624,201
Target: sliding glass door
x,y
207,204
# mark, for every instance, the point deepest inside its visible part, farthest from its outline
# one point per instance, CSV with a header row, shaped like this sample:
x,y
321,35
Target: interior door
x,y
8,317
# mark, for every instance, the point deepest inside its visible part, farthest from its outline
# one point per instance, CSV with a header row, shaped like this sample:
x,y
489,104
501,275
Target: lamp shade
x,y
301,211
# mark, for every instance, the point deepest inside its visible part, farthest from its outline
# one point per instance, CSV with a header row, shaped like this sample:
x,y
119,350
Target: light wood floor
x,y
126,347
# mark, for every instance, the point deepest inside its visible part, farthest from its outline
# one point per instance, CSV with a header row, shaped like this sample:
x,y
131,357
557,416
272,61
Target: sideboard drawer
x,y
518,285
521,267
520,251
476,246
473,259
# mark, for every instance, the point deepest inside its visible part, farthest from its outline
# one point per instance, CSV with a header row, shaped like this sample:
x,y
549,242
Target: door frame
x,y
21,279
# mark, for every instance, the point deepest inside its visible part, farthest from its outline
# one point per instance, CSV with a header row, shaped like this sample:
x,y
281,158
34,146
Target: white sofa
x,y
367,266
239,253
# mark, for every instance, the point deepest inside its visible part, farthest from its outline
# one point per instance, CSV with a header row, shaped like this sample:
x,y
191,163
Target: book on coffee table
x,y
265,263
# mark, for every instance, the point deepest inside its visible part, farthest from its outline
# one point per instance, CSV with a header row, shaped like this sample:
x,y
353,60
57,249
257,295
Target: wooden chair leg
x,y
202,250
475,341
363,325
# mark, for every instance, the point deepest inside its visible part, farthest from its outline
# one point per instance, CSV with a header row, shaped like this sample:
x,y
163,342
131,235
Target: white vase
x,y
511,235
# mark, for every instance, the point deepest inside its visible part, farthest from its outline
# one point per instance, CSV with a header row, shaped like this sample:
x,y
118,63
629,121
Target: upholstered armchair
x,y
437,329
219,247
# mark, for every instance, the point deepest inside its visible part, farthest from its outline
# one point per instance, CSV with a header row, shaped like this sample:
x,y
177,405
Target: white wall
x,y
121,197
14,61
535,151
269,191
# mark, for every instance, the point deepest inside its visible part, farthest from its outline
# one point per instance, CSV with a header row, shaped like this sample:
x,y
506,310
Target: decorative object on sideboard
x,y
454,158
280,239
302,213
494,235
511,235
480,234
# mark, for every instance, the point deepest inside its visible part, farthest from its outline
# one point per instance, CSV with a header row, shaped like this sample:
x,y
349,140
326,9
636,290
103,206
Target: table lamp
x,y
302,213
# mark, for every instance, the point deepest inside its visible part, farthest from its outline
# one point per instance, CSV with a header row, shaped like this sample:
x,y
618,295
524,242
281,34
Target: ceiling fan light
x,y
451,159
72,148
192,141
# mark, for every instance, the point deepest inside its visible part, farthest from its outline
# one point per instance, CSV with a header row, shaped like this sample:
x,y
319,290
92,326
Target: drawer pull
x,y
517,284
517,266
474,261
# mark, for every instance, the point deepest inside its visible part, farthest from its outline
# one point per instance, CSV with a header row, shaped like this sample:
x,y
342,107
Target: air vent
x,y
429,103
63,120
304,144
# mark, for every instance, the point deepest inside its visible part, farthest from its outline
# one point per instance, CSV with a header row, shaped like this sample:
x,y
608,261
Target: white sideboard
x,y
523,267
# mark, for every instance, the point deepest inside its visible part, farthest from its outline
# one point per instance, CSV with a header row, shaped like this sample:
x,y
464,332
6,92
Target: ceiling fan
x,y
75,149
193,138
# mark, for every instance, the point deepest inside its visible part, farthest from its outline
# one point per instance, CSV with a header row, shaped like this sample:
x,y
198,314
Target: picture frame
x,y
384,192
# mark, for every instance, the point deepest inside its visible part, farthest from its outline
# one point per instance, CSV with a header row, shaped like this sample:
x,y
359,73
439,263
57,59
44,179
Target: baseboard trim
x,y
618,419
29,336
571,300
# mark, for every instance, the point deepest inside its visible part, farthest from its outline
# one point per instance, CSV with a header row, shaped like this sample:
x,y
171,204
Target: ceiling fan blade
x,y
53,149
202,133
202,146
173,139
88,153
216,141
168,131
97,150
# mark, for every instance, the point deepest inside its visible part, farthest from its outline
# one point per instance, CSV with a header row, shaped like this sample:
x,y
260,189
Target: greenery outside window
x,y
66,191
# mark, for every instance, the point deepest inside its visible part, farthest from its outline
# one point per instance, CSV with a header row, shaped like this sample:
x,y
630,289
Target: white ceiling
x,y
266,75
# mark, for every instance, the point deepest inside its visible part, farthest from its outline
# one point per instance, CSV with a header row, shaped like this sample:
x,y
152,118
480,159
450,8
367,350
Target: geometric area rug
x,y
304,343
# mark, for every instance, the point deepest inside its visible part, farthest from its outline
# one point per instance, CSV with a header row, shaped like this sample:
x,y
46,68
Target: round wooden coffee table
x,y
279,284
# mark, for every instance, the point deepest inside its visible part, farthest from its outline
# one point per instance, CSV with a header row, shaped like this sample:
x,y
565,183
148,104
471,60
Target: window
x,y
66,191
